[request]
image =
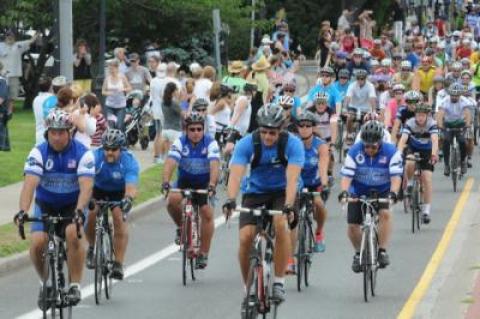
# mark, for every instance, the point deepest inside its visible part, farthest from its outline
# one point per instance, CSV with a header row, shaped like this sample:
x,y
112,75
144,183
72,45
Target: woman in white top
x,y
204,84
84,119
221,98
114,88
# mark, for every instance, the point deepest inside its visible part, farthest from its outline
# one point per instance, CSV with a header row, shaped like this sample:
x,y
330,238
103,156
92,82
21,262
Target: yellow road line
x,y
423,284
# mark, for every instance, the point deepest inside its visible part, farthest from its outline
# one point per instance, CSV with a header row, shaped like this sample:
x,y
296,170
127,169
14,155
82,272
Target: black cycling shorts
x,y
197,199
274,201
425,156
355,215
100,194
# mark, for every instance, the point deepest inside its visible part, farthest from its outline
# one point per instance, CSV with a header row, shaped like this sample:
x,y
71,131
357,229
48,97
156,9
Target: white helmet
x,y
387,62
406,64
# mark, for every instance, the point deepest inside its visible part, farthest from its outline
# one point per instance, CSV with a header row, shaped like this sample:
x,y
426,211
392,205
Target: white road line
x,y
131,270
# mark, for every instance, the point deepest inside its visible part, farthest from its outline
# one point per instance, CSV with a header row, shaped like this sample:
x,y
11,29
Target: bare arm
x,y
239,109
345,183
236,174
30,183
402,143
293,172
396,127
435,144
395,183
468,118
214,172
131,190
440,115
86,186
324,159
126,84
168,169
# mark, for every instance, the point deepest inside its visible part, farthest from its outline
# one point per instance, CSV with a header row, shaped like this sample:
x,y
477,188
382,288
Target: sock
x,y
75,284
279,280
426,209
380,250
410,182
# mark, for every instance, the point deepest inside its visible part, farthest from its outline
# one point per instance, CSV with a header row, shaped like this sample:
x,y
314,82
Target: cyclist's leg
x,y
384,226
354,219
120,239
447,139
320,214
174,207
38,241
463,146
282,242
75,253
90,226
409,170
427,189
207,228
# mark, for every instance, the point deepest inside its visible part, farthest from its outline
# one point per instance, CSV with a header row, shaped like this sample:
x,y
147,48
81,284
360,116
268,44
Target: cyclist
x,y
404,113
200,106
390,111
272,183
60,173
326,126
372,116
326,85
453,113
420,135
343,82
116,179
423,79
469,92
405,75
358,62
361,97
371,165
438,86
315,171
288,90
197,156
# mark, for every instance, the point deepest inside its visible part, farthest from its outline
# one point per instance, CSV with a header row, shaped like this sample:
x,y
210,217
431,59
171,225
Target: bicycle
x,y
369,244
414,200
305,236
104,251
190,231
258,298
455,158
55,258
339,143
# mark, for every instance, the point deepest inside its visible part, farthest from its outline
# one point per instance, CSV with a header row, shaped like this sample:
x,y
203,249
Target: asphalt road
x,y
153,287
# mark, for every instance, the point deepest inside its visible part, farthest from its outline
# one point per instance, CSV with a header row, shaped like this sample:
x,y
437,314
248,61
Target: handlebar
x,y
258,211
49,219
108,203
187,190
366,200
416,157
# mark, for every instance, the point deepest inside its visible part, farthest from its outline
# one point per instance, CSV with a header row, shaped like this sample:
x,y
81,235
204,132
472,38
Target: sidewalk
x,y
9,195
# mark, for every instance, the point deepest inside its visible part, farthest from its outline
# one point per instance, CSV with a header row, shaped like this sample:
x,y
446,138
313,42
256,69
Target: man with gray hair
x,y
123,64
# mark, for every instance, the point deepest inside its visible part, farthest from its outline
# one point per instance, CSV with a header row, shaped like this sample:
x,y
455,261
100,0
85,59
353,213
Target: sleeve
x,y
350,90
371,93
243,151
175,151
132,171
349,167
396,166
86,165
34,163
407,129
295,151
91,125
213,151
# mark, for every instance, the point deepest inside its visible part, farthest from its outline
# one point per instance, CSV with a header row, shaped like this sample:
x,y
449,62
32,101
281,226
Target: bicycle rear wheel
x,y
99,261
108,259
301,249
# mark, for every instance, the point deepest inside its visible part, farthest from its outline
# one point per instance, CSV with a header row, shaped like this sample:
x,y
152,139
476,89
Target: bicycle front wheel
x,y
453,167
108,259
309,251
49,288
185,244
366,267
301,251
251,301
99,261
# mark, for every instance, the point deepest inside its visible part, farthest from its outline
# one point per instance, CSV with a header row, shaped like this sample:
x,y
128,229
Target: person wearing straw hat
x,y
234,79
259,73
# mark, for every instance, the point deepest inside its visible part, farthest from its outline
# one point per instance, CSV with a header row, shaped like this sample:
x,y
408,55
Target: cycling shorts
x,y
197,199
41,208
115,196
425,156
355,215
274,201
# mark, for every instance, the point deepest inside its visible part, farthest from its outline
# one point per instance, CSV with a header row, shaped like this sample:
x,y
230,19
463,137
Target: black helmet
x,y
195,118
308,116
199,103
360,73
372,132
113,137
270,115
344,73
225,90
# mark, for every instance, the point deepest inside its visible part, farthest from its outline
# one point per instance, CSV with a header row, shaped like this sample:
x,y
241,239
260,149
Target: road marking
x,y
423,284
139,266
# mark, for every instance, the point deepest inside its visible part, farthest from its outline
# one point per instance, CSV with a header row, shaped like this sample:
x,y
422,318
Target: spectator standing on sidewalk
x,y
11,56
204,84
82,60
42,104
120,56
5,114
152,62
137,75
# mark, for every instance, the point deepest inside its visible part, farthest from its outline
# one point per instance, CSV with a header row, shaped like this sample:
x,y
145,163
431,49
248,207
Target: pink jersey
x,y
392,107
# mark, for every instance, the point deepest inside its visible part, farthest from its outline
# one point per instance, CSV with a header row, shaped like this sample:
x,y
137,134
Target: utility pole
x,y
101,49
56,38
217,28
252,30
66,38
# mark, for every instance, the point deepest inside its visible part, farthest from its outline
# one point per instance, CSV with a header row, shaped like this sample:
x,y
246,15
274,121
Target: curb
x,y
20,260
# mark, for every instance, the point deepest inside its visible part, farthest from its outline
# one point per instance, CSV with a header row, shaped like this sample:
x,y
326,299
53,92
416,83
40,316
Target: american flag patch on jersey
x,y
71,163
382,160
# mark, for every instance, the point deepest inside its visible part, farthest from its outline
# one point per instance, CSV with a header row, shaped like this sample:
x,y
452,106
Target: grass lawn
x,y
22,139
150,184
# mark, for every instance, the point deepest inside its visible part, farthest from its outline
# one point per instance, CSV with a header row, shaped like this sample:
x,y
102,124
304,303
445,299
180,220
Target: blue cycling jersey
x,y
296,104
310,174
372,173
112,177
270,174
342,89
49,104
334,95
59,172
194,160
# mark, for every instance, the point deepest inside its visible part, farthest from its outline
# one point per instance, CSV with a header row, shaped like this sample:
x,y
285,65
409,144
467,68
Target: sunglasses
x,y
202,110
290,91
269,132
286,107
195,129
343,78
304,125
371,146
110,149
361,79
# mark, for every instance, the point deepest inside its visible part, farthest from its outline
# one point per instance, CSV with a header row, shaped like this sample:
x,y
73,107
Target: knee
x,y
38,241
385,216
71,237
206,213
245,240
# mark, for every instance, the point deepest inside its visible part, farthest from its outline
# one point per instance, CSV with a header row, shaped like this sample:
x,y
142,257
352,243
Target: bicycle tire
x,y
99,261
51,275
62,255
414,205
107,263
453,167
185,245
251,309
374,268
301,249
418,204
308,259
366,267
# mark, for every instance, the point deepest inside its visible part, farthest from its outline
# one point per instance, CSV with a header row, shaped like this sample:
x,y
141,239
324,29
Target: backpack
x,y
257,149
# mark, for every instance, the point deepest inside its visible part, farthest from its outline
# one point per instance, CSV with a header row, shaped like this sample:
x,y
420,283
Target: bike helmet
x,y
386,62
285,100
406,65
341,55
466,72
455,89
113,137
398,87
270,115
194,118
438,79
58,120
423,108
290,85
374,63
249,87
308,116
321,97
372,132
358,52
412,97
327,70
360,73
199,103
456,66
344,73
465,61
367,55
